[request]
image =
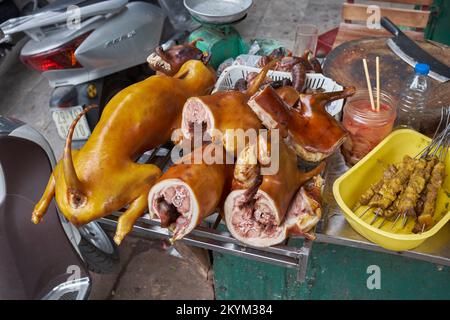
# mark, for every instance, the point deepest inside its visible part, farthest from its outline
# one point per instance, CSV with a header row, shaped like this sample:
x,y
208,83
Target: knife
x,y
407,50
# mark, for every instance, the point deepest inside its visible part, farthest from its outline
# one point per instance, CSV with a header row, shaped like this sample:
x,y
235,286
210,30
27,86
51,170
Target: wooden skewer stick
x,y
377,61
369,86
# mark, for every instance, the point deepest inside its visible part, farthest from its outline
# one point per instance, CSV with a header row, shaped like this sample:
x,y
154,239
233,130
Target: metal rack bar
x,y
220,241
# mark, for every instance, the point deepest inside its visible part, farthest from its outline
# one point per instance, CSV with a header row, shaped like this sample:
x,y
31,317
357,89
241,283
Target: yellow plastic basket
x,y
348,188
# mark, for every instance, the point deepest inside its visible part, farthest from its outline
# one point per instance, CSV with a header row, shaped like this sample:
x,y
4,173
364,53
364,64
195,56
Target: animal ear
x,y
206,58
160,52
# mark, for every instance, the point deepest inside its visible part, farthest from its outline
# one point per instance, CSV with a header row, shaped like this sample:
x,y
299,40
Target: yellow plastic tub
x,y
349,187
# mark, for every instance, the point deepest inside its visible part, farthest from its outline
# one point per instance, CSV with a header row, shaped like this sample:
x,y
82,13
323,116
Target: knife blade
x,y
410,52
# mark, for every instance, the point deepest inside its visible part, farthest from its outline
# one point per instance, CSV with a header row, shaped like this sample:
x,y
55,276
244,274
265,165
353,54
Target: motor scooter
x,y
49,260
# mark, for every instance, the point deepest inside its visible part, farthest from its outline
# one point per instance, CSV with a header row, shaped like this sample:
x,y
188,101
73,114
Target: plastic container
x,y
367,128
412,101
232,74
178,15
348,188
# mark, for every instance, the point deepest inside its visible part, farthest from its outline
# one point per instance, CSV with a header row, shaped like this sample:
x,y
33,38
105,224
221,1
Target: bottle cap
x,y
422,68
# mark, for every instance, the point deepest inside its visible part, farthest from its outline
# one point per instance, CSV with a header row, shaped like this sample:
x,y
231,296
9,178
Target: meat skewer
x,y
305,210
412,191
389,191
425,219
419,195
437,148
374,188
390,188
418,208
407,199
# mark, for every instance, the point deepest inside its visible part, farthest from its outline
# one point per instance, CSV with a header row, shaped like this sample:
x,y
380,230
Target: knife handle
x,y
390,26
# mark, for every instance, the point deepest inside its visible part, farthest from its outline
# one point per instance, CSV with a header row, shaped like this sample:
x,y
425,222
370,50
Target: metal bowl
x,y
218,11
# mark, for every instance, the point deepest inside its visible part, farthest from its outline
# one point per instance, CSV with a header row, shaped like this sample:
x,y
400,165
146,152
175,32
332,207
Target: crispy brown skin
x,y
210,183
102,177
282,186
289,95
313,126
309,126
230,110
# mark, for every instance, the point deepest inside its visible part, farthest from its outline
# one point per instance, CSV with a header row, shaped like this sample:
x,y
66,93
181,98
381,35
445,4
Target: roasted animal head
x,y
307,127
171,60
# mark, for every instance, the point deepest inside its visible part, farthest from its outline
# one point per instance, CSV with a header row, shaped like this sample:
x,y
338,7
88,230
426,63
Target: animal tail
x,y
76,197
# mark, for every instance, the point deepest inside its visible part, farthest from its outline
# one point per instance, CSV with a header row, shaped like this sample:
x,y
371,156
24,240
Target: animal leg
x,y
127,220
41,207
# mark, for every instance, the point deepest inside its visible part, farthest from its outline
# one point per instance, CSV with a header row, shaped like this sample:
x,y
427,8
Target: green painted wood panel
x,y
334,272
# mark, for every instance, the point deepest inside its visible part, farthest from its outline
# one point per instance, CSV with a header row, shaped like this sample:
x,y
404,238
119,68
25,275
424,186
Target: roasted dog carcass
x,y
256,211
188,192
307,128
222,111
102,176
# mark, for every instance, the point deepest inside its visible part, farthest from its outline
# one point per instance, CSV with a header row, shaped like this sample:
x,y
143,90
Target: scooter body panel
x,y
115,43
35,261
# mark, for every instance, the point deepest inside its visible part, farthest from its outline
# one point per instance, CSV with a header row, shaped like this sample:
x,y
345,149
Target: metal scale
x,y
217,18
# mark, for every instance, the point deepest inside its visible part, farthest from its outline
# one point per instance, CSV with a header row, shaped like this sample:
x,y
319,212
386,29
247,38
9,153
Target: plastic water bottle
x,y
412,101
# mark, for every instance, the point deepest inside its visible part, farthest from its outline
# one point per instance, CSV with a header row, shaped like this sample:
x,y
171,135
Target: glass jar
x,y
366,128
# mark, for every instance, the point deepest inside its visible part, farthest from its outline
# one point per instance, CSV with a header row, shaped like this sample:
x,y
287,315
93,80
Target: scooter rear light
x,y
56,59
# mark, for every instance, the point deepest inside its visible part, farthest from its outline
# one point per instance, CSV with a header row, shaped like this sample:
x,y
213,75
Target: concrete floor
x,y
146,270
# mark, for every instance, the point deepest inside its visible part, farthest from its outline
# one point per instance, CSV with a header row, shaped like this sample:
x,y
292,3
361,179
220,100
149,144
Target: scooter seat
x,y
34,259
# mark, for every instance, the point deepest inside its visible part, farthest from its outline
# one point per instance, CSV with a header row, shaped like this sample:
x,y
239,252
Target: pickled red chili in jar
x,y
366,127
